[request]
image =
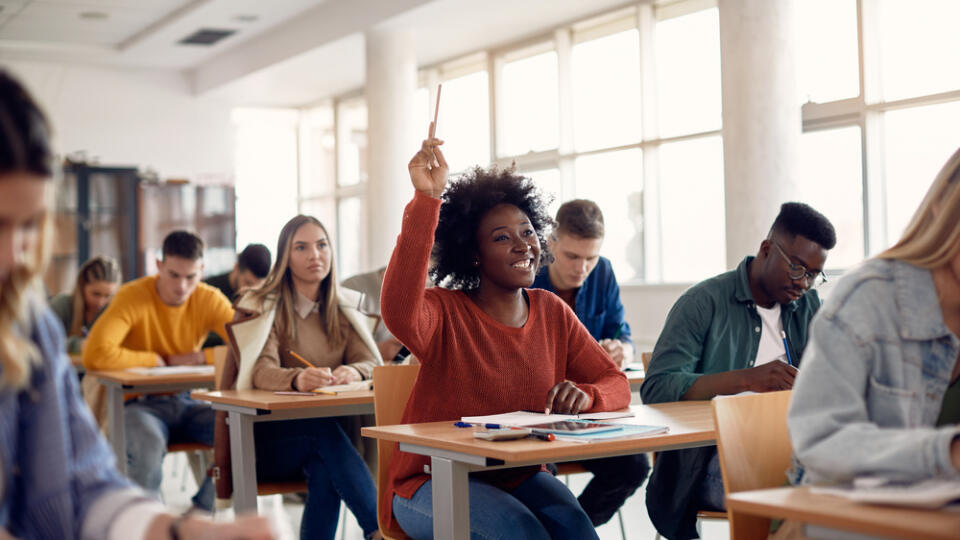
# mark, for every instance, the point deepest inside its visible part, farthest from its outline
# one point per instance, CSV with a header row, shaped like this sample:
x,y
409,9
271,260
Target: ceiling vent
x,y
206,36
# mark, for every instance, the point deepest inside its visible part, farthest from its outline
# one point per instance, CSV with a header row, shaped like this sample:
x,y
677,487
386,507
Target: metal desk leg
x,y
115,425
244,459
451,499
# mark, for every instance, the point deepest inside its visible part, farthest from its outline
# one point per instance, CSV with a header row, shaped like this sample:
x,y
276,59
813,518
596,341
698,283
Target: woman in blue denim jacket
x,y
57,474
882,355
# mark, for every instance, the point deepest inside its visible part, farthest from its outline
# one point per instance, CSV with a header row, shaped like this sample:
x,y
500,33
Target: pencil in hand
x,y
301,359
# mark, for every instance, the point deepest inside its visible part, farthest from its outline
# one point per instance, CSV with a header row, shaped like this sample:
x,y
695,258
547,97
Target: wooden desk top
x,y
268,400
797,503
125,377
634,377
690,422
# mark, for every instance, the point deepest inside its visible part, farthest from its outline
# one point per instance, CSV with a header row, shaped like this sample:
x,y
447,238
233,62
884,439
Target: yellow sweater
x,y
137,326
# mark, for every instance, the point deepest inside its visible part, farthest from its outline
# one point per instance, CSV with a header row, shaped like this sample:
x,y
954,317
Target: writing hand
x,y
428,168
195,358
615,350
770,377
346,374
566,398
311,378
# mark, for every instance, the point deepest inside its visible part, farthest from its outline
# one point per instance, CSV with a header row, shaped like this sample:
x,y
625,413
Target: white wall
x,y
143,118
646,310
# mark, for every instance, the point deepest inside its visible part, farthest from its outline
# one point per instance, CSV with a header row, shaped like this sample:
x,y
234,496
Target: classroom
x,y
728,228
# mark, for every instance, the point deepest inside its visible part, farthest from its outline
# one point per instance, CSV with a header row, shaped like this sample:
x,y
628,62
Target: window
x,y
692,209
688,73
827,50
614,181
530,110
465,119
550,184
918,142
350,225
918,46
606,84
266,168
831,181
352,138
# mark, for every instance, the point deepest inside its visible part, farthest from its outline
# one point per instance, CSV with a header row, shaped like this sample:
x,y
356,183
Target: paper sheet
x,y
172,370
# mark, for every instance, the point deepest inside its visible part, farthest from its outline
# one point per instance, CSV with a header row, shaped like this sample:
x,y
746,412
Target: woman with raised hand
x,y
879,392
300,332
97,281
486,343
57,473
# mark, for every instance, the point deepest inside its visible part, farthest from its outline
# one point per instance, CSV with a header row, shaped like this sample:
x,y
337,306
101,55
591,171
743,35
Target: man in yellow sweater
x,y
158,321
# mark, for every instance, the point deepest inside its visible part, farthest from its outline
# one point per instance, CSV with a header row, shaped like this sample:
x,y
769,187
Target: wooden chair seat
x,y
275,488
188,447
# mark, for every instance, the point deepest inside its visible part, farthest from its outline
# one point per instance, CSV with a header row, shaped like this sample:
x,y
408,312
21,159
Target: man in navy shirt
x,y
585,281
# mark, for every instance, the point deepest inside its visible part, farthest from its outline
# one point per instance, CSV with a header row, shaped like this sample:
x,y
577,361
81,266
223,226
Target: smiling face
x,y
508,249
574,258
773,279
22,212
310,256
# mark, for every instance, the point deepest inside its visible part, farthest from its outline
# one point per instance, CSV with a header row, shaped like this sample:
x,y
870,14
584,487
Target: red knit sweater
x,y
472,364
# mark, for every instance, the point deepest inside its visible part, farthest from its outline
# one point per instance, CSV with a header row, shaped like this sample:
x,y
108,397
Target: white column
x,y
761,117
391,66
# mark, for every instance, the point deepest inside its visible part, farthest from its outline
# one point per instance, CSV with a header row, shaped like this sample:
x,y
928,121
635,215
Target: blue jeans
x,y
539,508
319,450
153,422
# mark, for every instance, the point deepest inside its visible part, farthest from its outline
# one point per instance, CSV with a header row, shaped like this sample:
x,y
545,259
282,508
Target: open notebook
x,y
528,418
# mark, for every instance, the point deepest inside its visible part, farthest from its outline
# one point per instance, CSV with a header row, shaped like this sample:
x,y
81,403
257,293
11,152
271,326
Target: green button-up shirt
x,y
714,327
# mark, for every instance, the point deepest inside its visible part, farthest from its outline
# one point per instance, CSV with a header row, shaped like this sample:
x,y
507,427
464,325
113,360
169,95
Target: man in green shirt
x,y
743,330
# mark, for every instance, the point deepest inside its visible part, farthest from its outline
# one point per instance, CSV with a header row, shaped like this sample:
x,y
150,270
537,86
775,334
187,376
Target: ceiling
x,y
283,52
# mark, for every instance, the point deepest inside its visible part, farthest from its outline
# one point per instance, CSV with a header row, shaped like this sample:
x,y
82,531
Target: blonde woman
x,y
878,392
57,474
97,281
299,332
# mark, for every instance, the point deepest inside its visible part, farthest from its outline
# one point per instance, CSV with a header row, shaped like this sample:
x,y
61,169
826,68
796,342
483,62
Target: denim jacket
x,y
58,472
874,376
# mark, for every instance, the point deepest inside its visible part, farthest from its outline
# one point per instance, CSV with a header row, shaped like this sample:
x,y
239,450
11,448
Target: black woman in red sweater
x,y
486,343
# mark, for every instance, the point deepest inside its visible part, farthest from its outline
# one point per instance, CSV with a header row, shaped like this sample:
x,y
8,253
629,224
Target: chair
x,y
391,388
754,447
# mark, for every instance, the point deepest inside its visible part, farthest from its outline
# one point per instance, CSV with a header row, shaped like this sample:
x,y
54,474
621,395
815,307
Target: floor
x,y
178,486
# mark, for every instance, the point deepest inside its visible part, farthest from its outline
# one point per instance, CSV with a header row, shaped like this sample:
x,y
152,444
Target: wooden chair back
x,y
754,447
219,360
645,360
391,388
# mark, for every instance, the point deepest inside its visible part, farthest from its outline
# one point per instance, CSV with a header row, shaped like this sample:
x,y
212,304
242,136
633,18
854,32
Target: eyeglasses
x,y
797,271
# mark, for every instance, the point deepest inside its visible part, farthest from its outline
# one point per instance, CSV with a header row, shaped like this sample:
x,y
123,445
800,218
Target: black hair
x,y
799,218
465,202
24,131
256,259
183,244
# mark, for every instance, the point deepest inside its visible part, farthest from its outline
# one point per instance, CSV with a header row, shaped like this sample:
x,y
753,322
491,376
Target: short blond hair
x,y
932,238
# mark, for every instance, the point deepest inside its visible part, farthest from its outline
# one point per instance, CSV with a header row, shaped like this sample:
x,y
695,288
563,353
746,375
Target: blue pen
x,y
786,347
462,424
485,426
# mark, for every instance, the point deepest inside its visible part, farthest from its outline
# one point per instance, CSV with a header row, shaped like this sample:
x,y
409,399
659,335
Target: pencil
x,y
301,359
436,113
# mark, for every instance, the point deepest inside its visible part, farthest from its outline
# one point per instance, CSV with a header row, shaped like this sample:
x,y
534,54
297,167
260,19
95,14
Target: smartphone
x,y
505,434
573,427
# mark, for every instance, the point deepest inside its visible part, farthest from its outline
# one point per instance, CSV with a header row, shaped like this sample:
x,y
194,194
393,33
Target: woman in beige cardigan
x,y
299,312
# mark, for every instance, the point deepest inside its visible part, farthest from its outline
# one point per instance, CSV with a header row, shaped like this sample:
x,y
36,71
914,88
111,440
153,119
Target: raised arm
x,y
404,306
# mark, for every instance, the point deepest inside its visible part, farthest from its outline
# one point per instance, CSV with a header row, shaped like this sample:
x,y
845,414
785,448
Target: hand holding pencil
x,y
311,377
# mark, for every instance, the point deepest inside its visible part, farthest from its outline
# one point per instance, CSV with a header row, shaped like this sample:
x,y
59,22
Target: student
x,y
586,282
155,321
56,471
300,313
879,393
487,344
725,336
97,280
251,269
369,285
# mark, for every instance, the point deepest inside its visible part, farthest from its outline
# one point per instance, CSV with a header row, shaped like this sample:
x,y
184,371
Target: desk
x,y
121,382
798,504
635,378
246,407
454,452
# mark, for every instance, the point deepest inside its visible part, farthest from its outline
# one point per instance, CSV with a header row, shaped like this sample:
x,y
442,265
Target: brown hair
x,y
24,148
580,217
279,284
96,269
932,238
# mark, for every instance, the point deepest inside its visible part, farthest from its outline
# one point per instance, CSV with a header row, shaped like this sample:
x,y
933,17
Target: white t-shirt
x,y
771,343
